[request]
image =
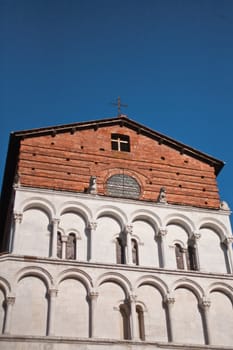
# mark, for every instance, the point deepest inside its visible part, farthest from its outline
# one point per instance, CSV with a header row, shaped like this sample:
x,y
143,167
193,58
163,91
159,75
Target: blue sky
x,y
65,61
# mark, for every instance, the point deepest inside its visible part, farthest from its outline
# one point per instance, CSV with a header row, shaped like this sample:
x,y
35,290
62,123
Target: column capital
x,y
64,238
92,225
52,292
18,217
162,232
196,235
129,229
170,300
10,300
205,303
55,221
133,298
93,295
228,240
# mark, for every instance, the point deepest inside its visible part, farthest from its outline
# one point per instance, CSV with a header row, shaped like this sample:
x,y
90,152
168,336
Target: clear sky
x,y
65,61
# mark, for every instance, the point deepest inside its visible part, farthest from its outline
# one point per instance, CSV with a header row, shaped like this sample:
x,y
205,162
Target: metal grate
x,y
121,185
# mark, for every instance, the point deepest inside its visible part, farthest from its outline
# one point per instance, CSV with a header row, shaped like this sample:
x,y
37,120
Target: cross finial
x,y
119,105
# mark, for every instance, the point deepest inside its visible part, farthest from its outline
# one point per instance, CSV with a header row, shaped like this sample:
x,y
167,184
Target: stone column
x,y
228,241
55,223
162,235
128,232
92,226
63,247
205,305
133,317
93,301
170,303
51,311
17,221
196,237
9,305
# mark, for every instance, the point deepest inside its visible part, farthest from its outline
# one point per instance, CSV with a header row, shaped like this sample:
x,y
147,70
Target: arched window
x,y
125,321
71,247
120,251
191,258
134,246
179,256
59,245
141,325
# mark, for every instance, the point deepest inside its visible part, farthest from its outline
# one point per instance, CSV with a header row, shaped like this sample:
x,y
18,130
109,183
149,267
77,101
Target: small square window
x,y
120,143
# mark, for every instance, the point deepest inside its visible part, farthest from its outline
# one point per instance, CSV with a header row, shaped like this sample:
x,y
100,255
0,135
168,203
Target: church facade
x,y
113,234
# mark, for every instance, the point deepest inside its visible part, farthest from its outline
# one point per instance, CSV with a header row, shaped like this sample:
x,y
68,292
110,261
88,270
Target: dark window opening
x,y
125,321
120,143
59,245
120,251
179,256
191,258
141,325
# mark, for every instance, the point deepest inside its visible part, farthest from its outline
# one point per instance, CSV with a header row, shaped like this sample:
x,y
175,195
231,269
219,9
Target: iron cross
x,y
119,105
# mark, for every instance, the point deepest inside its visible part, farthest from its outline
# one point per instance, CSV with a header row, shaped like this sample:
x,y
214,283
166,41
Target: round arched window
x,y
121,185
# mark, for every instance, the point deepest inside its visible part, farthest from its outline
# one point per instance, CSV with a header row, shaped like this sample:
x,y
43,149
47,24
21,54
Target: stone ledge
x,y
9,342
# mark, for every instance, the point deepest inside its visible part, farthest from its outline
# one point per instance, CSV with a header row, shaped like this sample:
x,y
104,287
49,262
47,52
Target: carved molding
x,y
129,229
162,232
92,225
205,303
18,217
10,300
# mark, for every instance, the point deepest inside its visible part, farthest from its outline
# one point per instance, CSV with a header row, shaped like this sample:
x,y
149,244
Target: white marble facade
x,y
87,271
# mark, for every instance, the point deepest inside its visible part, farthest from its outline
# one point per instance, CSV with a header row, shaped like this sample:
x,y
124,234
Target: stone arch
x,y
146,215
74,218
72,307
221,304
189,284
76,274
117,278
179,231
217,226
31,300
37,214
76,207
39,272
110,224
186,310
40,203
212,233
112,211
145,226
181,220
5,285
153,281
113,297
222,287
151,293
4,292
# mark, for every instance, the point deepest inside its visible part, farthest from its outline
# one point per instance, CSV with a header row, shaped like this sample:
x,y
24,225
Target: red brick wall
x,y
66,162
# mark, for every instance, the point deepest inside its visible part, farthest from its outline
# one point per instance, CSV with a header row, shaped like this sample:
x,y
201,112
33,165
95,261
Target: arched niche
x,y
29,315
221,318
34,235
155,323
187,317
104,239
111,311
148,252
72,309
212,252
